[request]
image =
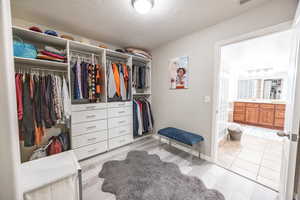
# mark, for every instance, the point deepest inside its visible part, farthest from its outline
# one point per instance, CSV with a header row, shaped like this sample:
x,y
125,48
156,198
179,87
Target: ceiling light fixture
x,y
142,6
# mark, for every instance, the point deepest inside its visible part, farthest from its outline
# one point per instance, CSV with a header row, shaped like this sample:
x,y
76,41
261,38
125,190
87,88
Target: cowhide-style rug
x,y
146,177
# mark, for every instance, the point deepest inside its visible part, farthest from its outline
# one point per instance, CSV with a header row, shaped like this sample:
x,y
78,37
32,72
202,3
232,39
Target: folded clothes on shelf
x,y
52,54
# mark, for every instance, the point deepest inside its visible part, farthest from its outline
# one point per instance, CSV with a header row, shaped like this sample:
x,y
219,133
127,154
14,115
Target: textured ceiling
x,y
116,22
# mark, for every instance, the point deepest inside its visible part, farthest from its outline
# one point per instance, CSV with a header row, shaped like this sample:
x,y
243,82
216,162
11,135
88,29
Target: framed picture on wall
x,y
179,72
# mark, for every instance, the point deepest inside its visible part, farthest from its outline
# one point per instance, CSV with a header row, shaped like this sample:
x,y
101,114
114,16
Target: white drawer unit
x,y
88,127
86,116
120,141
120,131
87,139
91,150
119,104
119,112
93,106
120,121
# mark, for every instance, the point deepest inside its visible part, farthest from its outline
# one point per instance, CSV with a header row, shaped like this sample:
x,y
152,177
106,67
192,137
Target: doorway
x,y
252,95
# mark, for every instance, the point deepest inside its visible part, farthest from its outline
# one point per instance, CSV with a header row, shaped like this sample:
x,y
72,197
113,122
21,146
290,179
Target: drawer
x,y
120,141
279,114
267,106
92,106
239,109
237,117
87,139
86,116
119,104
252,105
119,112
279,123
90,150
120,121
88,127
239,104
122,130
280,106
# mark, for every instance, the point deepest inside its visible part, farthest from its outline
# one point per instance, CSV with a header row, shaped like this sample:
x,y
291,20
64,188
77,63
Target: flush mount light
x,y
142,6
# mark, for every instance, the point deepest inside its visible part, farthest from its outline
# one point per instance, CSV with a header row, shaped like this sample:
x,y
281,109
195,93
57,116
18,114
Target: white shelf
x,y
85,47
41,63
29,35
113,53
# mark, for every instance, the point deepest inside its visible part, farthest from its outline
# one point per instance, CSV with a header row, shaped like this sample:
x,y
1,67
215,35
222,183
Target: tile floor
x,y
257,156
231,185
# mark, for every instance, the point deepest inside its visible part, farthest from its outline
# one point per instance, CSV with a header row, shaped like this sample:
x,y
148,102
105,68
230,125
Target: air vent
x,y
244,1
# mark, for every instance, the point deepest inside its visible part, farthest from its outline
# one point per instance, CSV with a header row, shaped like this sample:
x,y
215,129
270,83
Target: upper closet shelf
x,y
85,47
140,59
41,63
111,53
29,35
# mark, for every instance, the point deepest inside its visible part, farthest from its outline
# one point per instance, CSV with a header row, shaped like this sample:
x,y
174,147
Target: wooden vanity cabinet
x,y
260,114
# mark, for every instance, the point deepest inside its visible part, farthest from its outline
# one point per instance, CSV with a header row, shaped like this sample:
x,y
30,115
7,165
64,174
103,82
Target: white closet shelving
x,y
95,127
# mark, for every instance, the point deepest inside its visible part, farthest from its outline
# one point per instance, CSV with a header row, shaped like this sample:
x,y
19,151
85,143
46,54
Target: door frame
x,y
217,70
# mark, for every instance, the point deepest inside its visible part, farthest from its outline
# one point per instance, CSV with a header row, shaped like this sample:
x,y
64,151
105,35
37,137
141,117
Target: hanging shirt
x,y
117,78
28,122
111,81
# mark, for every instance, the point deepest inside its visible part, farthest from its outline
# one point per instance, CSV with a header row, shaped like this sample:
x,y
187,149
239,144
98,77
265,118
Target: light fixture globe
x,y
142,6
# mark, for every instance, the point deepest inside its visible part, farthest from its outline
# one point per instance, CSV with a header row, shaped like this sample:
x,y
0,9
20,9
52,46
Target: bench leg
x,y
159,142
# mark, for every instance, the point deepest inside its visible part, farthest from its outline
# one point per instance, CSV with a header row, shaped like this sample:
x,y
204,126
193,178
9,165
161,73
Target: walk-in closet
x,y
121,99
93,91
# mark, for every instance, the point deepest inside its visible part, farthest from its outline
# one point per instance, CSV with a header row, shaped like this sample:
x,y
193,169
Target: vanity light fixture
x,y
142,6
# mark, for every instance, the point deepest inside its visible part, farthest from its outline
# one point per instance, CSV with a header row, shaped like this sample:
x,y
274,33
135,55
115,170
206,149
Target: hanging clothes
x,y
43,101
86,79
142,117
140,77
111,86
118,87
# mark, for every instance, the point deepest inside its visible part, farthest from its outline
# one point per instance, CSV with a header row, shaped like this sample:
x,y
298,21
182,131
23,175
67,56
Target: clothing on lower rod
x,y
142,117
43,101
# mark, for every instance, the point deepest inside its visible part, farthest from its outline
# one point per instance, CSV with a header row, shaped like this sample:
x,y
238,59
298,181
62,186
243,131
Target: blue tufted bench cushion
x,y
181,135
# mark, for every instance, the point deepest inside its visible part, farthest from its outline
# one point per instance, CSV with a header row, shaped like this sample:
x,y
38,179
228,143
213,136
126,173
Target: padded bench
x,y
181,136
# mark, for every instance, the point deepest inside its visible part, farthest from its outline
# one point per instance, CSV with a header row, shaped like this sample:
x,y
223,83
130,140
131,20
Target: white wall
x,y
186,108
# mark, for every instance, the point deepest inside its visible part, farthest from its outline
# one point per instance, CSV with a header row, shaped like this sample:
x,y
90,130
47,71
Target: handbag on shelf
x,y
40,152
22,49
55,146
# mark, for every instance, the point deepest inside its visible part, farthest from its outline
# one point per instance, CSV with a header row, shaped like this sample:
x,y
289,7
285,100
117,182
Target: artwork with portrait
x,y
179,73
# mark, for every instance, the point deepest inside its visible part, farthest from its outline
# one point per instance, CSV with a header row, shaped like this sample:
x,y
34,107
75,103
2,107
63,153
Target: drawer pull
x,y
90,116
123,131
121,104
91,127
92,150
91,139
121,141
90,107
121,112
123,121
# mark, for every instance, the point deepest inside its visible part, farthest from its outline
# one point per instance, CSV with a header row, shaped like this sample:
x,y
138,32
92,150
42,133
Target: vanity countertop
x,y
261,101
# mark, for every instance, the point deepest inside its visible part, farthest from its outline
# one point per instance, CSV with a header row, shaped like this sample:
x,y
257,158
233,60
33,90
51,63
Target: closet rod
x,y
113,58
39,69
139,62
85,53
